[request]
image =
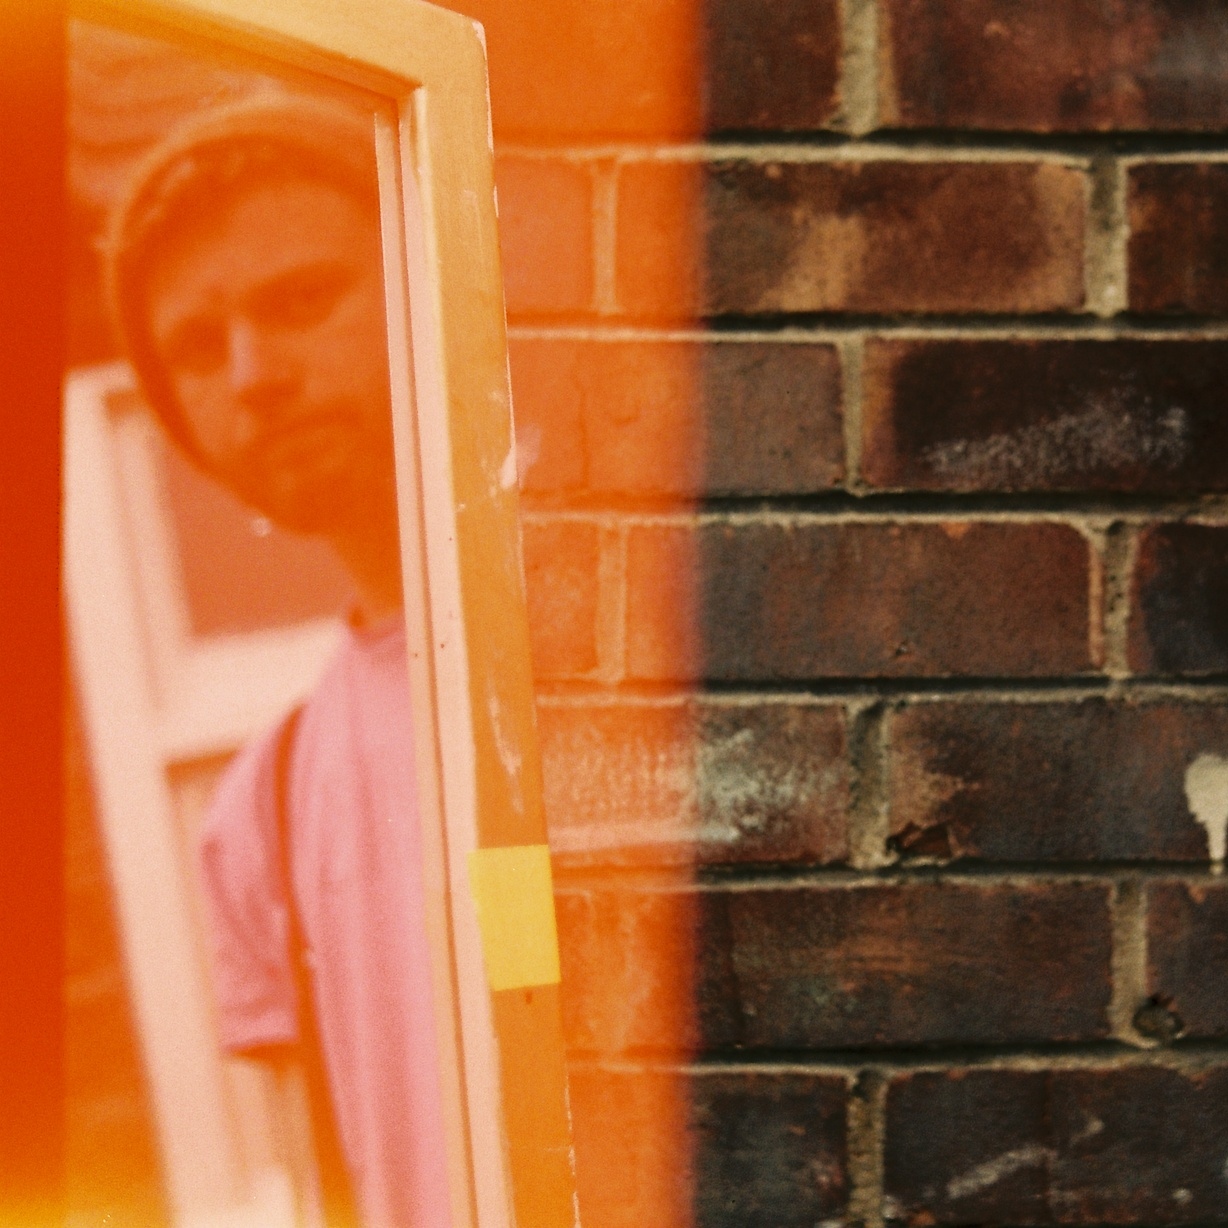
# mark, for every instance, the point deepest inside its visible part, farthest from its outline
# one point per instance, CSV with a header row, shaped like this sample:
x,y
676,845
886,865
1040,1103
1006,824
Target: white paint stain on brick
x,y
1206,790
982,1176
1096,437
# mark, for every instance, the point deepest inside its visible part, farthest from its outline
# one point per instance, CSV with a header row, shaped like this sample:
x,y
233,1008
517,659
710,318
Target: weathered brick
x,y
1045,415
710,1148
677,418
771,1149
793,599
545,235
561,71
876,236
628,963
1084,781
708,781
899,964
1178,251
561,575
771,66
1055,65
1187,954
1141,1144
1179,600
631,1130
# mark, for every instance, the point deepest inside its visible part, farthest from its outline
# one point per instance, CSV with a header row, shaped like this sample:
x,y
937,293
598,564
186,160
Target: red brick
x,y
876,236
561,574
628,961
1055,65
677,418
717,782
631,1130
1084,781
664,632
1187,954
901,964
801,598
1045,415
1178,251
771,1149
771,67
1137,1145
545,235
709,1147
561,71
1179,600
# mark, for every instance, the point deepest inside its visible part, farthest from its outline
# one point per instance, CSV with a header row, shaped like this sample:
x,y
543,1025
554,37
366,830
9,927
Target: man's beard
x,y
345,492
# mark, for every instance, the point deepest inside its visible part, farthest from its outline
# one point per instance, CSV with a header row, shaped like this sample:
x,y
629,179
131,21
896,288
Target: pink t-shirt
x,y
356,867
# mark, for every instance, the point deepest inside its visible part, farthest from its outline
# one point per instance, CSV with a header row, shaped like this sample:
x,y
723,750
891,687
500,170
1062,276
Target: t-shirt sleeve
x,y
254,985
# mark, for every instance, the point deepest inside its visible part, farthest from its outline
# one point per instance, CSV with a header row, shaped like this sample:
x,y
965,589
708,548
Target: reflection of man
x,y
247,279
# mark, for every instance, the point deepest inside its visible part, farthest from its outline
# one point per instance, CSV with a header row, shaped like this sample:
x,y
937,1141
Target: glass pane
x,y
231,490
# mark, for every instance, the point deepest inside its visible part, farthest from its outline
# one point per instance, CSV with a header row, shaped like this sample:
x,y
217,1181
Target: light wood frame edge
x,y
502,1054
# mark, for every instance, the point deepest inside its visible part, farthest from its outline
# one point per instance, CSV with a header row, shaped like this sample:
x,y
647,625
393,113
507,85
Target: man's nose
x,y
260,375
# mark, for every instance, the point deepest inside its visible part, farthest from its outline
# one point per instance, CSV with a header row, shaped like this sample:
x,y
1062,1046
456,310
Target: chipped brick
x,y
1084,781
1187,954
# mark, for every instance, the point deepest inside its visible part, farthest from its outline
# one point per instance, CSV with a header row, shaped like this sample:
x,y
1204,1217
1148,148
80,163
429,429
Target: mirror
x,y
282,601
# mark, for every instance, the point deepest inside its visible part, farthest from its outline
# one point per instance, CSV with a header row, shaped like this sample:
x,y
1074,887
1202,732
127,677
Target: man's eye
x,y
302,299
197,346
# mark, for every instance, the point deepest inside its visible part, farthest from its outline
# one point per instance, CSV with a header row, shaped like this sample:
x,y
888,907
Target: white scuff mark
x,y
982,1176
1206,791
1091,1128
1182,1196
507,470
528,448
509,755
1101,436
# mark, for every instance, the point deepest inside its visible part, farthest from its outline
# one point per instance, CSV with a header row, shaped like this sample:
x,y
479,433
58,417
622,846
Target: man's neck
x,y
375,564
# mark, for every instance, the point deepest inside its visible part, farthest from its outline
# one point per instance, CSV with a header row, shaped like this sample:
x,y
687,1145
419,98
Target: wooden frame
x,y
470,677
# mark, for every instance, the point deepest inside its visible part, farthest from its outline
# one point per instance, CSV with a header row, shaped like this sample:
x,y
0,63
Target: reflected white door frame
x,y
152,695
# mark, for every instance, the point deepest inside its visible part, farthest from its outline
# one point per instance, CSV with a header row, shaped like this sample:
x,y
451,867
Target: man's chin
x,y
331,510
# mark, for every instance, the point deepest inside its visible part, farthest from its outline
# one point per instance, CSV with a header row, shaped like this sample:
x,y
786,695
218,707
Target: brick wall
x,y
869,366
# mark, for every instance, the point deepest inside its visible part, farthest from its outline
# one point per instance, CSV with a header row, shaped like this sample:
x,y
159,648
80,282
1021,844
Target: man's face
x,y
270,320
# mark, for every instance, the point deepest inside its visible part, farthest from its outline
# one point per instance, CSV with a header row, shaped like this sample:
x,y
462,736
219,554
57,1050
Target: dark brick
x,y
1046,415
750,238
1086,781
900,964
770,1149
677,418
710,1148
1179,600
561,71
717,782
1187,954
561,577
795,599
1178,253
1140,1144
1055,65
771,66
545,235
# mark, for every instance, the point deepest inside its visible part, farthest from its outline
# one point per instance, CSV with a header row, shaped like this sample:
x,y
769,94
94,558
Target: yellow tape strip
x,y
515,902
